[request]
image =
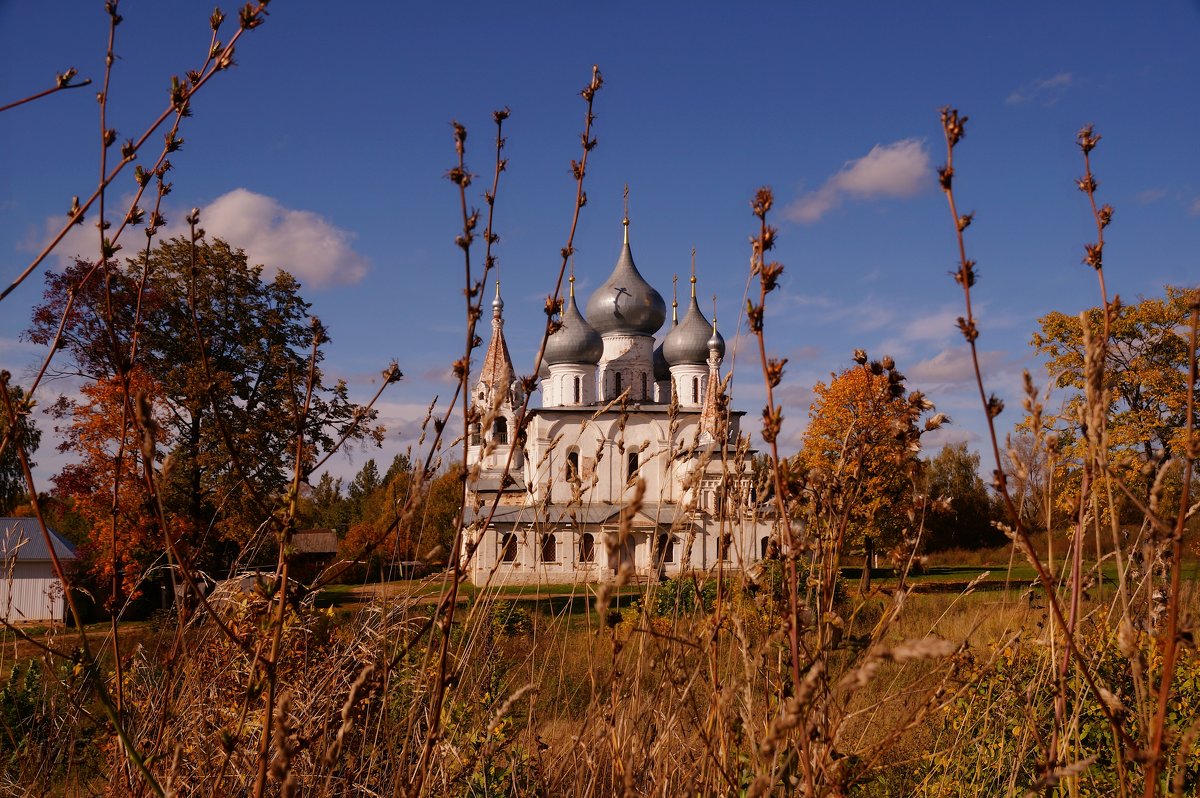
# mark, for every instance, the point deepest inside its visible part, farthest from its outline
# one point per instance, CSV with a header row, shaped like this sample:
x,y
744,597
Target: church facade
x,y
633,464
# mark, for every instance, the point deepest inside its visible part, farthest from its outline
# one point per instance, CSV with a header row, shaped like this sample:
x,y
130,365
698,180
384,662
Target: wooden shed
x,y
29,589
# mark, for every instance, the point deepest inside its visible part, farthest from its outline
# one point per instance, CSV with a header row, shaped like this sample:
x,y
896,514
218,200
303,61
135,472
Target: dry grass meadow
x,y
1078,677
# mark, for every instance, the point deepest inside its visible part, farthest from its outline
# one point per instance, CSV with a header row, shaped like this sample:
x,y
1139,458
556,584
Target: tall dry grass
x,y
785,681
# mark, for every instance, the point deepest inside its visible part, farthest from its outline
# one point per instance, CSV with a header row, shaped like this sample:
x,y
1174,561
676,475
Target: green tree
x,y
953,475
22,432
439,516
325,507
229,353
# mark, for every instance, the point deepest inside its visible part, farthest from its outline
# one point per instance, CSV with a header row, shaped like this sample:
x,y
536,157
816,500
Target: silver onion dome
x,y
662,369
717,342
688,342
626,303
575,341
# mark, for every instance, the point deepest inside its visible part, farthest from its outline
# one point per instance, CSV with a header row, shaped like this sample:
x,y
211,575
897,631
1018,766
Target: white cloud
x,y
1046,91
937,326
932,442
301,242
953,365
899,169
1150,195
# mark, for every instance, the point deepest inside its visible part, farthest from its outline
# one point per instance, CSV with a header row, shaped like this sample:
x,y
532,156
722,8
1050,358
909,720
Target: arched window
x,y
765,546
476,435
587,547
549,547
644,394
573,465
725,547
695,390
631,465
508,547
500,430
616,384
578,390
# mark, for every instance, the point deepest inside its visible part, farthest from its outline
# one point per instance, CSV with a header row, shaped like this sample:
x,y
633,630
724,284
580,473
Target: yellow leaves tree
x,y
1145,384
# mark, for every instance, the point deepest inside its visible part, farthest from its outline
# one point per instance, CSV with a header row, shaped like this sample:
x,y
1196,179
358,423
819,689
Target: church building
x,y
632,462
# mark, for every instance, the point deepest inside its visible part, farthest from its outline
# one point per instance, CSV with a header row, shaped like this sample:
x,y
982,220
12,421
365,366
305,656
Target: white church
x,y
633,461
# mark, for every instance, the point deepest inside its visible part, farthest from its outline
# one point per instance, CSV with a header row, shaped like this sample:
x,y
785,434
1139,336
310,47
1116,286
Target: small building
x,y
29,588
313,550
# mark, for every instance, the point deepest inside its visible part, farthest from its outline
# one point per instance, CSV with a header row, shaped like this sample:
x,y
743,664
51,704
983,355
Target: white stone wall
x,y
558,390
690,384
631,356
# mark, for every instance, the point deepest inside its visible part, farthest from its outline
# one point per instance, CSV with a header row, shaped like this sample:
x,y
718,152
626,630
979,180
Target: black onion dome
x,y
662,369
626,303
687,343
575,341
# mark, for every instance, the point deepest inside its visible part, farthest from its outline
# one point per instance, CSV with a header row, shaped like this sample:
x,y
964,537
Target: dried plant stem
x,y
953,127
768,274
1171,637
63,83
221,61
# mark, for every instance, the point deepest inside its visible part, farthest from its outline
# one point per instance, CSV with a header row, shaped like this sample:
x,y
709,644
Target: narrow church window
x,y
616,384
572,465
587,548
476,435
643,386
500,430
724,547
578,390
666,550
549,548
695,390
631,465
508,547
765,545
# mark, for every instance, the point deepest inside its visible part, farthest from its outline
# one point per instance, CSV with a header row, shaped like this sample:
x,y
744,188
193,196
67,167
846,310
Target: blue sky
x,y
324,152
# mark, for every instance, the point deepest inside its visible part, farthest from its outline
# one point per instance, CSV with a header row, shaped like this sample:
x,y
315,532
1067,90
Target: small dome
x,y
688,342
575,341
626,303
717,341
662,369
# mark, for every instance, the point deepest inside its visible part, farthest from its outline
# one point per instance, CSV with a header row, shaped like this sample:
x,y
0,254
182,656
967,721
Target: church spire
x,y
674,300
712,417
497,371
625,219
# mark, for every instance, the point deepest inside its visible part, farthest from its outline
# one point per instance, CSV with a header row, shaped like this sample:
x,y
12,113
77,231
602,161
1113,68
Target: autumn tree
x,y
18,430
860,448
105,485
965,518
1145,378
229,355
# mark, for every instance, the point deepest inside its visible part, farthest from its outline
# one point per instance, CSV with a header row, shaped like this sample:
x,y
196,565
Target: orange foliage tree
x,y
862,443
101,433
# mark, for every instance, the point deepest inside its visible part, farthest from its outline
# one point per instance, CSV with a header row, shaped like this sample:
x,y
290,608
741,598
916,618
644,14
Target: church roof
x,y
497,370
626,303
575,341
687,343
